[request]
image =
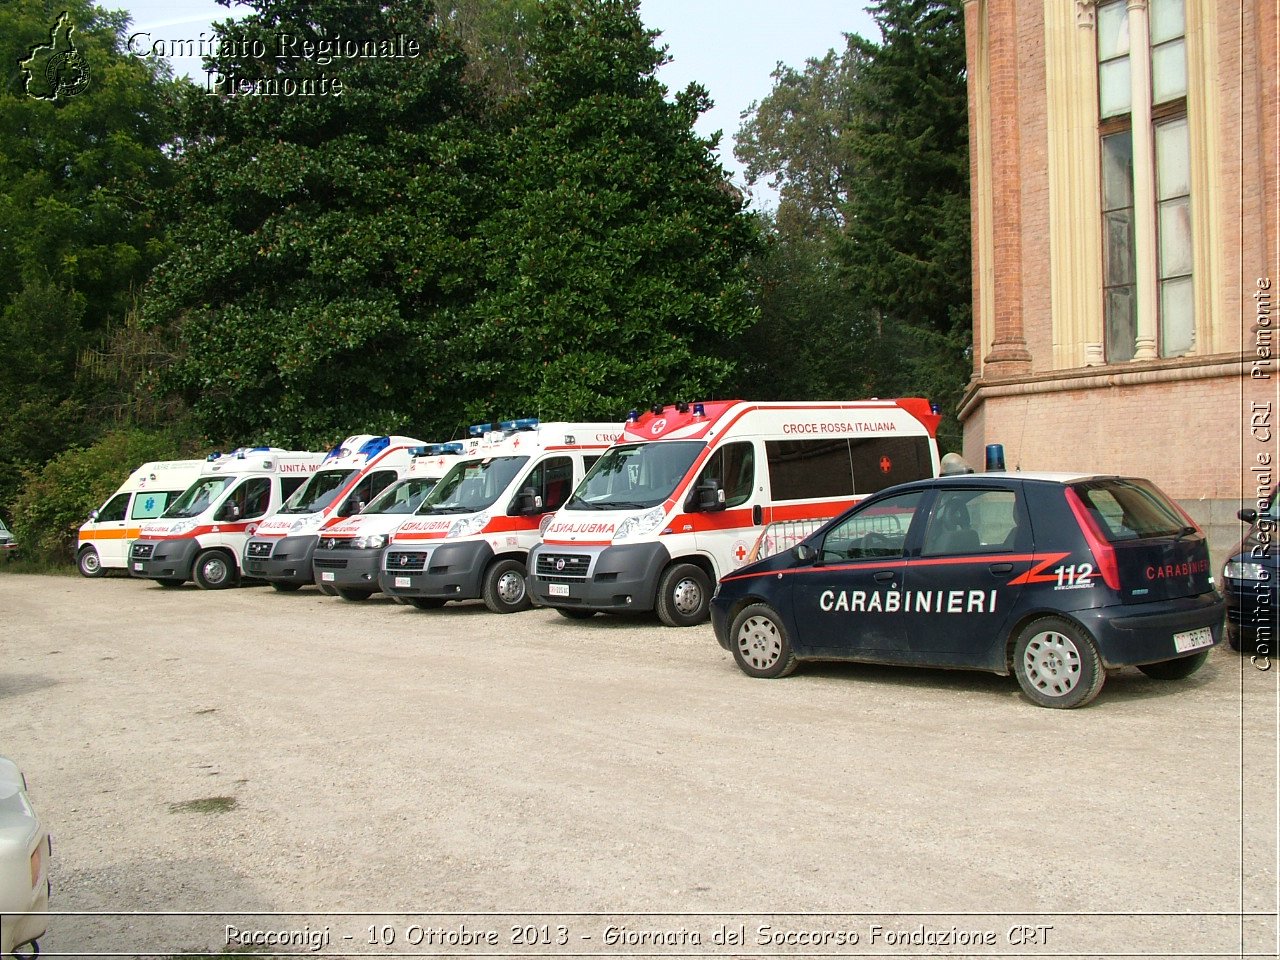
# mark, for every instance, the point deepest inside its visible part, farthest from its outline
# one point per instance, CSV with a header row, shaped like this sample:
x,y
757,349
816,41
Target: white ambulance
x,y
345,561
201,535
352,474
471,535
682,498
105,538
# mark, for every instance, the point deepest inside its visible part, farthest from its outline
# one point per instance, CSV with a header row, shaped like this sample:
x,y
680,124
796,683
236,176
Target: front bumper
x,y
623,577
1252,609
280,559
163,559
344,568
446,570
1132,635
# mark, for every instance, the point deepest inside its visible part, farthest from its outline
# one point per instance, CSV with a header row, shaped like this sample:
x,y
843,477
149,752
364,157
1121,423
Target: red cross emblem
x,y
740,552
515,444
885,464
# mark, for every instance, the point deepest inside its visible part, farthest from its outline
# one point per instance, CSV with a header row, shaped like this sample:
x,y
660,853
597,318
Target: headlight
x,y
469,525
374,541
639,525
184,526
1235,570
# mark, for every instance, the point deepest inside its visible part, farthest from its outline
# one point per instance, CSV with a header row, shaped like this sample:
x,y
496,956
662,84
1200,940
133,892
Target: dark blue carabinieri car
x,y
1054,578
1250,578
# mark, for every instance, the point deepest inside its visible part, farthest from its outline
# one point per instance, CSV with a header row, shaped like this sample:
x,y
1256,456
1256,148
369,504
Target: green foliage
x,y
80,225
319,285
615,261
56,498
869,277
496,36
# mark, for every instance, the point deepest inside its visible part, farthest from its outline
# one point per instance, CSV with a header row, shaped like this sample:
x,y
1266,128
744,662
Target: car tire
x,y
575,613
90,564
170,582
760,643
1234,640
1057,664
214,570
505,590
285,587
684,596
1178,669
355,596
426,603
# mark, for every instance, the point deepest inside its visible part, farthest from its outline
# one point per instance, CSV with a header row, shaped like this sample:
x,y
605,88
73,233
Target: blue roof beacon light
x,y
699,410
213,456
372,448
995,458
633,416
934,408
437,449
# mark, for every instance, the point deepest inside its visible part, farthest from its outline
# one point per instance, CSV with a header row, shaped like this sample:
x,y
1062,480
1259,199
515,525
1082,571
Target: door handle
x,y
1001,568
884,576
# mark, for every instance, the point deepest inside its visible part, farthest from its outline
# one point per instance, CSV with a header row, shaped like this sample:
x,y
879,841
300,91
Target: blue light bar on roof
x,y
437,449
335,453
372,448
525,423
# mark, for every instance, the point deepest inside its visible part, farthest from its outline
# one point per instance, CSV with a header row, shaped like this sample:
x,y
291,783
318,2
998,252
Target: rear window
x,y
1130,509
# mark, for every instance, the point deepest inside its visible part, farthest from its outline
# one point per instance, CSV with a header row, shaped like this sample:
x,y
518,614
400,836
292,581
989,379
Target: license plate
x,y
1193,640
404,582
137,566
558,589
327,576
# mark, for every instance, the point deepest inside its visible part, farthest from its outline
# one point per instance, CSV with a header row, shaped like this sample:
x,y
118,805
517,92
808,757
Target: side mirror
x,y
527,502
229,511
805,553
1248,515
708,497
351,508
93,514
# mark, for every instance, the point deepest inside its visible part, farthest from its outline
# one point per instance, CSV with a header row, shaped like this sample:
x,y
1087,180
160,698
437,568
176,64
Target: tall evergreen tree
x,y
317,283
906,249
615,261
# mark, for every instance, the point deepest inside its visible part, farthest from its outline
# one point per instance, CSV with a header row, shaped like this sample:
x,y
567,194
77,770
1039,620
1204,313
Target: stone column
x,y
1144,181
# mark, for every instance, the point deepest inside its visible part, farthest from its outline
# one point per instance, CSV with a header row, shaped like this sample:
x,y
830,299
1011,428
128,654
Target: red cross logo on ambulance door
x,y
740,551
885,464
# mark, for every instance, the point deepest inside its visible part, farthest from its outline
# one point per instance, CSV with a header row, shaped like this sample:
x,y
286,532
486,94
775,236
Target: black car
x,y
1052,577
1250,580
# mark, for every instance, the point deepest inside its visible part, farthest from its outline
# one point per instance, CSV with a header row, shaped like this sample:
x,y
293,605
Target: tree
x,y
906,249
82,129
316,288
615,262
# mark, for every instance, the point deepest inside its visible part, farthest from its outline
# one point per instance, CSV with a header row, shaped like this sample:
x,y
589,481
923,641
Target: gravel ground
x,y
246,752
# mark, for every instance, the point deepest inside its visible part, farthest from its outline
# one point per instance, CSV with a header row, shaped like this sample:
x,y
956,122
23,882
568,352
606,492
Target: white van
x,y
105,538
681,500
471,534
201,535
352,474
345,561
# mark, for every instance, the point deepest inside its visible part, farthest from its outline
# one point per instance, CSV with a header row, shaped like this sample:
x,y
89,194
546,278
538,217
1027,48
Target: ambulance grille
x,y
330,563
260,549
142,551
398,561
558,566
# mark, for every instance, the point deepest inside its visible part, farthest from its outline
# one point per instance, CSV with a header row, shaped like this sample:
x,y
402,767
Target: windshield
x,y
199,496
473,485
403,497
636,475
318,492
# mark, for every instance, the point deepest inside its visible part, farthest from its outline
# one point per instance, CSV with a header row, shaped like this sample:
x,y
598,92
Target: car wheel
x,y
1057,664
89,563
214,570
285,587
170,582
1178,669
575,613
504,587
1233,638
760,643
355,596
426,603
684,596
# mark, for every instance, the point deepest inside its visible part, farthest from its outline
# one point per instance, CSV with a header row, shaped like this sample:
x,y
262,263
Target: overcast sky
x,y
729,46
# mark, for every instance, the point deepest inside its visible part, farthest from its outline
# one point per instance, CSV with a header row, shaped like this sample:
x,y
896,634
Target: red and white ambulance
x,y
201,535
345,560
352,475
471,535
681,500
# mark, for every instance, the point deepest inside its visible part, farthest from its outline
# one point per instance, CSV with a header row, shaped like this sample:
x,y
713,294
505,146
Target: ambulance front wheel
x,y
215,570
684,596
504,587
90,563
